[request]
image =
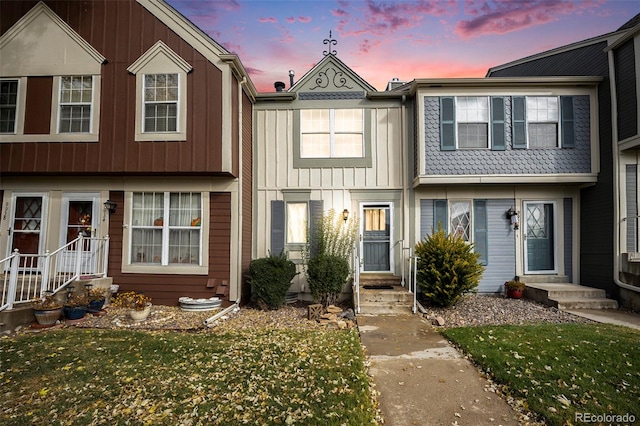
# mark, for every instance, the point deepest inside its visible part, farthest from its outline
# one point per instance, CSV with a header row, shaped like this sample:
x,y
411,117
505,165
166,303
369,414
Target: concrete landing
x,y
423,380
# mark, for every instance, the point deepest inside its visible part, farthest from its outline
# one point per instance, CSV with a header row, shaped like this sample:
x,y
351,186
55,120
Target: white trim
x,y
18,124
43,219
390,206
429,180
555,231
159,48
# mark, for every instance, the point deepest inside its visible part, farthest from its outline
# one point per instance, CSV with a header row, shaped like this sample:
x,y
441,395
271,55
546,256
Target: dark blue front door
x,y
539,234
376,238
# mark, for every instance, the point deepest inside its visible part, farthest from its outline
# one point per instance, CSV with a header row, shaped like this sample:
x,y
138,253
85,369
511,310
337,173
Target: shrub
x,y
270,278
327,275
447,268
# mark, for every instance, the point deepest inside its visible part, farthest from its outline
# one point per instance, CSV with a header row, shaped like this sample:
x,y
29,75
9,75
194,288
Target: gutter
x,y
211,322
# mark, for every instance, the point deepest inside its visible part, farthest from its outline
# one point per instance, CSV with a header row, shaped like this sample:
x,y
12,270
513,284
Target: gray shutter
x,y
316,210
440,215
277,227
519,122
568,126
480,236
497,124
447,124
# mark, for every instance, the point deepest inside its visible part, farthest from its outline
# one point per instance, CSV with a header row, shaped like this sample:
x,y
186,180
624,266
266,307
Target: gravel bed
x,y
475,310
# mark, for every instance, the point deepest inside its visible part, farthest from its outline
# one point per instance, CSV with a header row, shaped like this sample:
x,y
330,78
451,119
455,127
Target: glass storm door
x,y
539,234
376,238
26,228
79,214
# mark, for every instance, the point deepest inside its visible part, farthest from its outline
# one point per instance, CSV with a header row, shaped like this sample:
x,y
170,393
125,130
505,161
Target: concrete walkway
x,y
609,316
423,380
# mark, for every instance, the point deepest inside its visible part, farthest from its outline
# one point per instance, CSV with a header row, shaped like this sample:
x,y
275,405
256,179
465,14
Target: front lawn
x,y
567,374
266,376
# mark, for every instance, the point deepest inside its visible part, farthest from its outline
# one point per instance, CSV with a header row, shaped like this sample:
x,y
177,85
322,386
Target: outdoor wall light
x,y
345,214
512,215
110,206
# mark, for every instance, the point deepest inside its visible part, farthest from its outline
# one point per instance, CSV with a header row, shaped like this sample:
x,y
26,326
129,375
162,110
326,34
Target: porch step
x,y
379,280
10,319
388,298
568,296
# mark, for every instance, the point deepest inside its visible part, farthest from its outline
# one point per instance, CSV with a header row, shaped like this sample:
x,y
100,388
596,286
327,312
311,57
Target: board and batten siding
x,y
631,187
568,238
501,256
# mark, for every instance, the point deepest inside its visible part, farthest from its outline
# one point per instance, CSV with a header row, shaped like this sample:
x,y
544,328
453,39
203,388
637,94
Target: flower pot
x,y
515,293
95,305
142,315
47,317
74,312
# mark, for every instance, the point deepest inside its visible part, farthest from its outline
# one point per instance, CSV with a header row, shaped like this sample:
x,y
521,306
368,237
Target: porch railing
x,y
27,276
356,278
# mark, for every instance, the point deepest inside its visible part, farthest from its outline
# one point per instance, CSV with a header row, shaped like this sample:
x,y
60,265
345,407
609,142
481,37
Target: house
x,y
608,209
123,119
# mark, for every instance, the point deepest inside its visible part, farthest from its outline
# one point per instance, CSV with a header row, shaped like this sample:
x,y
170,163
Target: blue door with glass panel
x,y
539,233
376,239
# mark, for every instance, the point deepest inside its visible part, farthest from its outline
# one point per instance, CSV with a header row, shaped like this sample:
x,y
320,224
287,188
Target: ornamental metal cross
x,y
330,41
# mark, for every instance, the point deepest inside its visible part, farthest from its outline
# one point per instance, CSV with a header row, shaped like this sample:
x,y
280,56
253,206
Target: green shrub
x,y
270,278
327,275
447,268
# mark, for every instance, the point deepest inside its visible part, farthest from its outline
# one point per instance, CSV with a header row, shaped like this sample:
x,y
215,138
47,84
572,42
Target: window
x,y
156,240
332,133
460,219
75,104
161,102
466,219
472,116
296,223
542,121
8,105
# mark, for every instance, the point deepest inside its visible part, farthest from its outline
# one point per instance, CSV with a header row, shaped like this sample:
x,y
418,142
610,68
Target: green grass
x,y
110,377
560,371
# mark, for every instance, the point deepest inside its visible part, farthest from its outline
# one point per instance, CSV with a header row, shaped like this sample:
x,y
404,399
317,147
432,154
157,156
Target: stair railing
x,y
356,278
413,274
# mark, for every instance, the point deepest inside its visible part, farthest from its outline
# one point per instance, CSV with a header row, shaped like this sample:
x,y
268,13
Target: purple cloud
x,y
268,20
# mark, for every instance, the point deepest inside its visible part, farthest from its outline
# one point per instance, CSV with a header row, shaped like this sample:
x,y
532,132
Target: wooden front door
x,y
80,216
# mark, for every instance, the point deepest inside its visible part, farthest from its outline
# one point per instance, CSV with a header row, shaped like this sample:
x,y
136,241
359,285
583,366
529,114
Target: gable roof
x,y
331,75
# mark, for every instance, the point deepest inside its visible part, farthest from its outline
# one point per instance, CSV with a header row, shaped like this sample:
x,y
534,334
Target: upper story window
x,y
8,105
161,102
332,133
468,122
472,117
76,95
543,122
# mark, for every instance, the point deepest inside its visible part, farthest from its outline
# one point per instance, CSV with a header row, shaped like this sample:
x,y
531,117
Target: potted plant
x,y
76,305
138,304
97,296
47,309
514,289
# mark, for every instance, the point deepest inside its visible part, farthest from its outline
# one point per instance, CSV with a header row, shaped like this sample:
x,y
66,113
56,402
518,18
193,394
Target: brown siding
x,y
247,192
165,289
37,114
122,31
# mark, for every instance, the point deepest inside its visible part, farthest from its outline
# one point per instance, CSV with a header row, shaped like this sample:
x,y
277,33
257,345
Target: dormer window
x,y
161,102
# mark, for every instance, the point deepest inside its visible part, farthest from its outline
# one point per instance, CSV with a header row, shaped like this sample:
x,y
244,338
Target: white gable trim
x,y
154,52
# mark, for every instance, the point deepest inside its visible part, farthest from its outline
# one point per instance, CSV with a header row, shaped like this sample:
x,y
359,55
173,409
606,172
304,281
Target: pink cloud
x,y
270,20
507,16
304,19
290,20
366,45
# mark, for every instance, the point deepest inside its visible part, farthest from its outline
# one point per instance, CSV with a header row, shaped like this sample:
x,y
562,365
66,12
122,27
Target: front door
x,y
539,234
376,238
80,215
27,227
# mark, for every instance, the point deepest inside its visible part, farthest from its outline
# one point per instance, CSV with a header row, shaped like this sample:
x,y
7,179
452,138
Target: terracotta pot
x,y
48,317
514,293
142,315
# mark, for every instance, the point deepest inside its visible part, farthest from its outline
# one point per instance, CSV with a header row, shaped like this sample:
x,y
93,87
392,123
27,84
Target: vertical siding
x,y
501,258
626,90
568,238
631,191
38,105
247,193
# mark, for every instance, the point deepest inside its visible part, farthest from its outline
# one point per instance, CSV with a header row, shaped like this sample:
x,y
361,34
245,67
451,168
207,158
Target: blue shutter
x,y
440,215
447,124
497,124
519,123
480,236
316,209
568,123
277,226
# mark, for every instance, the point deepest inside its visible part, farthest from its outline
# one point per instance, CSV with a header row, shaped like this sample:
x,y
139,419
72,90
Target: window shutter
x,y
440,215
316,209
480,236
277,226
568,123
519,136
447,125
497,124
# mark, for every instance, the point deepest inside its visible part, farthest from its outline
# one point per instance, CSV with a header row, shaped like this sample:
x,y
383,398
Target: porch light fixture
x,y
512,215
345,214
110,206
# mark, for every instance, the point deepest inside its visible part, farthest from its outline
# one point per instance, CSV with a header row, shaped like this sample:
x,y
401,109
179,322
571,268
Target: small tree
x,y
270,278
447,267
327,256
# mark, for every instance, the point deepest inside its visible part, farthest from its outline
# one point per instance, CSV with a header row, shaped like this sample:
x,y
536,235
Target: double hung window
x,y
76,96
8,105
161,95
542,121
472,116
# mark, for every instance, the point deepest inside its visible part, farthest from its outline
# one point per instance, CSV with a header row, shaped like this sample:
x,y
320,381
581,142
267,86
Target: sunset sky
x,y
406,39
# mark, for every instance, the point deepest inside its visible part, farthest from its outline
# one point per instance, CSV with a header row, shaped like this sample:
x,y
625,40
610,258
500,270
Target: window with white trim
x,y
76,97
466,219
161,95
8,105
166,228
332,133
472,118
296,223
542,121
460,219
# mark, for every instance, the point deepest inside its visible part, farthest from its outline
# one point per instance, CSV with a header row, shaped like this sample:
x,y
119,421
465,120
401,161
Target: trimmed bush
x,y
447,268
327,274
270,278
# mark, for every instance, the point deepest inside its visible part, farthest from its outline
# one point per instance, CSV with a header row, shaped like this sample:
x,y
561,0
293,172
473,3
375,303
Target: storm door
x,y
539,237
26,231
376,238
80,216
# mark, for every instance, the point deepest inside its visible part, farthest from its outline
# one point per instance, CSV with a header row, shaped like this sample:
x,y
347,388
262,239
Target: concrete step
x,y
569,296
375,308
379,280
396,294
544,279
21,315
565,303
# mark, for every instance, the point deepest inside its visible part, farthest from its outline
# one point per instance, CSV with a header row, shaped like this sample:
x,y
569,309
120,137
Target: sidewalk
x,y
423,380
609,316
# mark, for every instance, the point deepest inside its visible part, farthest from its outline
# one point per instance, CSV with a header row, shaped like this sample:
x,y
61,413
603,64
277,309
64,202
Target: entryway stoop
x,y
568,296
384,294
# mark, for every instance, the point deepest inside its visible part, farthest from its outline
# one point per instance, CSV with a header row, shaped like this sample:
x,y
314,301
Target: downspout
x,y
405,183
211,321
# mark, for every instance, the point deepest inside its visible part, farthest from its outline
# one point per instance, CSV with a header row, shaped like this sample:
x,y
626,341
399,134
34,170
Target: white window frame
x,y
458,121
301,227
558,121
17,104
332,133
470,229
175,102
61,104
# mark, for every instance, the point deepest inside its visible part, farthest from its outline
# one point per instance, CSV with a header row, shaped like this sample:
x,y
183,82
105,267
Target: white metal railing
x,y
356,278
413,282
28,276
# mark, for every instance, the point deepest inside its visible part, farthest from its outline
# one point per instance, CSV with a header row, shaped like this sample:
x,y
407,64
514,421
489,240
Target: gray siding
x,y
509,161
632,206
568,238
501,259
626,90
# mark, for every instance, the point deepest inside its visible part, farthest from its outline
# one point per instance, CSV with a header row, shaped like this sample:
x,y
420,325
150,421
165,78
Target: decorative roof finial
x,y
330,41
